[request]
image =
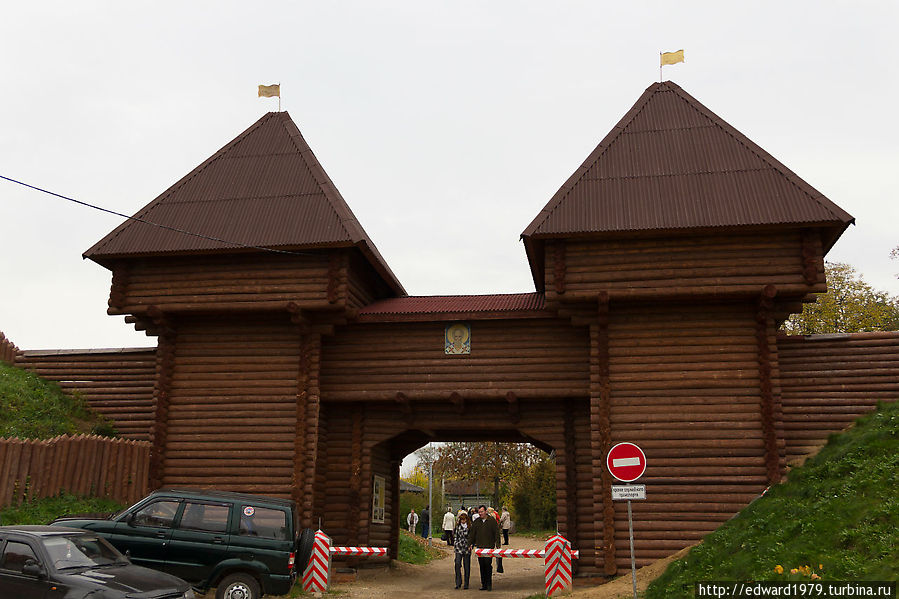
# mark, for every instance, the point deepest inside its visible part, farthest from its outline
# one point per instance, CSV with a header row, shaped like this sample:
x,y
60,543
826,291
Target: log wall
x,y
8,350
83,465
710,265
685,387
541,358
232,405
117,383
228,283
830,380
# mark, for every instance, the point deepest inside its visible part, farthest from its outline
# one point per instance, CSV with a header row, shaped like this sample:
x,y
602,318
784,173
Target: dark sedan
x,y
50,562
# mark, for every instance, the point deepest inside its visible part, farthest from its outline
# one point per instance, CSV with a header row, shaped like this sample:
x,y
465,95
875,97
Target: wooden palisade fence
x,y
82,465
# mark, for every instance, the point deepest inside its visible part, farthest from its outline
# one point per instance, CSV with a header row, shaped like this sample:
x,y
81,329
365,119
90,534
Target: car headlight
x,y
189,594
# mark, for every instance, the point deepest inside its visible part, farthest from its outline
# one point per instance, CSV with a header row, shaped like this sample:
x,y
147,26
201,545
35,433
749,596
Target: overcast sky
x,y
428,116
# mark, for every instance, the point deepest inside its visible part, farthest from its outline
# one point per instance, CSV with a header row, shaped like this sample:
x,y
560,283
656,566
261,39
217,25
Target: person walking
x,y
449,523
462,550
412,520
505,522
484,534
426,521
499,561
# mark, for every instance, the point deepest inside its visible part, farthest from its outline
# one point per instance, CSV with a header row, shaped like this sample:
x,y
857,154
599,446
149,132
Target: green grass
x,y
43,511
414,549
839,511
33,408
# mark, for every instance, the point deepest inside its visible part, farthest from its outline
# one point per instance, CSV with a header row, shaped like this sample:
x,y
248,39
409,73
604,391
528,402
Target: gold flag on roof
x,y
270,91
671,57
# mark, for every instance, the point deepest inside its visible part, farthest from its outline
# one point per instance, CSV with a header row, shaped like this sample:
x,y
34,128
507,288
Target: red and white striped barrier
x,y
516,553
557,564
557,556
359,551
316,577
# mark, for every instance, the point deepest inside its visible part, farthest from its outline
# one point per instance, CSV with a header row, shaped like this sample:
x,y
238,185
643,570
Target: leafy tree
x,y
486,460
849,306
418,477
534,496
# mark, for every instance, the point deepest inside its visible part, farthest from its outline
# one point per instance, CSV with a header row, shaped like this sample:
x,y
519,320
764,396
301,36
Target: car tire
x,y
304,549
238,586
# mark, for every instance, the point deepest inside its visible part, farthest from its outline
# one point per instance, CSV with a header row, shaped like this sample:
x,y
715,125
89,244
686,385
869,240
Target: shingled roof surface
x,y
265,188
671,163
511,303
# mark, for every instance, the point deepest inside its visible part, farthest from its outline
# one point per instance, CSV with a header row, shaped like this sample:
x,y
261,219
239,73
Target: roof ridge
x,y
341,209
604,145
178,184
763,155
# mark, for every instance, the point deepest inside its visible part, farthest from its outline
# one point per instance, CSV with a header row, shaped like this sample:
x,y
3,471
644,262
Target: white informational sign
x,y
628,492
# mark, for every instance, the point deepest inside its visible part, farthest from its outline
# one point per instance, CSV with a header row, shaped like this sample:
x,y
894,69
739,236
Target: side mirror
x,y
131,518
32,568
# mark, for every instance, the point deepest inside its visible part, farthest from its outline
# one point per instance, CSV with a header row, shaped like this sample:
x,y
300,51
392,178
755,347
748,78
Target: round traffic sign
x,y
626,462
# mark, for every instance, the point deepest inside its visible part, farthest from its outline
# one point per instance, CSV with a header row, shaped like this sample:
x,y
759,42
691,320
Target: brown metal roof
x,y
265,188
670,163
505,305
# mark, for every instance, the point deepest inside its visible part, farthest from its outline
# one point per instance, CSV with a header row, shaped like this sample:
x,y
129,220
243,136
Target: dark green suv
x,y
244,545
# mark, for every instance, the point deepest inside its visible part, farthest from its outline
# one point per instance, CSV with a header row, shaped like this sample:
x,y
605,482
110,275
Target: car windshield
x,y
81,551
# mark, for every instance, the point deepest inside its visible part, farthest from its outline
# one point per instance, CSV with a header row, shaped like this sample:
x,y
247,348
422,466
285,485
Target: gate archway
x,y
370,441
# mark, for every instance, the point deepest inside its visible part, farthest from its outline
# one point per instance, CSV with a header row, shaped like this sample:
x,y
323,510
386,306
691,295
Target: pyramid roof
x,y
264,189
672,164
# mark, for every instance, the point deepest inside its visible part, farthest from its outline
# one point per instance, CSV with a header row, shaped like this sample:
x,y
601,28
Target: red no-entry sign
x,y
626,462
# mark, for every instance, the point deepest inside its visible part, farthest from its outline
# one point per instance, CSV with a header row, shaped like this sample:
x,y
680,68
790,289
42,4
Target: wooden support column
x,y
118,292
811,251
601,436
308,428
394,509
571,489
355,482
165,367
559,267
766,395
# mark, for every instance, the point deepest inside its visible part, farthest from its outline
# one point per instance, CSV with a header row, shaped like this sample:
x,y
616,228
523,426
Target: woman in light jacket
x,y
449,523
462,549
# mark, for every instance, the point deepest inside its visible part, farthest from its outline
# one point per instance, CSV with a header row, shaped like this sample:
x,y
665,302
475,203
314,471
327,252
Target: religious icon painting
x,y
457,338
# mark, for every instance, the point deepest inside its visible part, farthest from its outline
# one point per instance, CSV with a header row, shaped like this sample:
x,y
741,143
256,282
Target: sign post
x,y
627,463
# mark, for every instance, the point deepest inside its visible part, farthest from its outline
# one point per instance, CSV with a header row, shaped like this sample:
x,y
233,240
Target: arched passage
x,y
363,443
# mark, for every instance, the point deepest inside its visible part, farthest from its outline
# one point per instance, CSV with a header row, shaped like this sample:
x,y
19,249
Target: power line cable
x,y
161,226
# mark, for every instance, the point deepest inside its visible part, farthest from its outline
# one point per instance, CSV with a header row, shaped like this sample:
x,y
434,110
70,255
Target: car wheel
x,y
238,586
304,550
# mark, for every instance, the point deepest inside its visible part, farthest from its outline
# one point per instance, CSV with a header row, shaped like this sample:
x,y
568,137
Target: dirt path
x,y
523,577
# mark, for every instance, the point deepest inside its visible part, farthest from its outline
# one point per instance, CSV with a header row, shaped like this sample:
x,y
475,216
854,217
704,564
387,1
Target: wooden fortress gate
x,y
292,362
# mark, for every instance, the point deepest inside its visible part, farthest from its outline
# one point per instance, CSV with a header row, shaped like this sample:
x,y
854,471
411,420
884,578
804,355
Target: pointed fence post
x,y
317,577
557,563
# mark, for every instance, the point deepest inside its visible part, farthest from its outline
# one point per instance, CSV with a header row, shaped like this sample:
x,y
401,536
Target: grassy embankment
x,y
34,408
836,517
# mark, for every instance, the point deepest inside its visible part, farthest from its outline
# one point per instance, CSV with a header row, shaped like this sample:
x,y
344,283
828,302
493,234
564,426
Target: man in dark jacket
x,y
484,534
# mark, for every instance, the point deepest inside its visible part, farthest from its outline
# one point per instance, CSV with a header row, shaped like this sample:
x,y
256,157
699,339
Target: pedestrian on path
x,y
462,550
449,523
484,534
426,521
412,520
505,522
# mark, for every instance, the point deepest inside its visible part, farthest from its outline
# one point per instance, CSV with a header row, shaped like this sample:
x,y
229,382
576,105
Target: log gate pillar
x,y
307,429
601,435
